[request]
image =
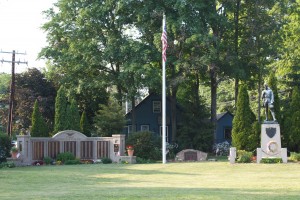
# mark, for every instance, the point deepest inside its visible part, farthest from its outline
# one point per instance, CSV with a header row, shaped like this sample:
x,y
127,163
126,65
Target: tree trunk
x,y
236,47
133,117
259,96
213,91
174,113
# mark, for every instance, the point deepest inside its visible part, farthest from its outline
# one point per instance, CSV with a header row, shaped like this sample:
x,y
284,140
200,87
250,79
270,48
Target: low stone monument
x,y
191,155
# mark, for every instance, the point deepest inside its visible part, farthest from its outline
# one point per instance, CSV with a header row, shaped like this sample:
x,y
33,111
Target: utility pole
x,y
12,88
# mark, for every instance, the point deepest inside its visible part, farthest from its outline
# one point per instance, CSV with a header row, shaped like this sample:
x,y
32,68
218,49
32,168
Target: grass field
x,y
205,180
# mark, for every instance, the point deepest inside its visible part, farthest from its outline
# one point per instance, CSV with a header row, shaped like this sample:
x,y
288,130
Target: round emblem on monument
x,y
272,147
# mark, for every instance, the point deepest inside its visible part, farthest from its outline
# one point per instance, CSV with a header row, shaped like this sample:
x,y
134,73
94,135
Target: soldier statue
x,y
268,101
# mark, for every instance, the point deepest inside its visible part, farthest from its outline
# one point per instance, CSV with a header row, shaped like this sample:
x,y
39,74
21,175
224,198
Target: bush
x,y
47,160
222,149
72,162
295,156
106,160
244,156
271,160
146,145
5,146
143,161
7,165
63,157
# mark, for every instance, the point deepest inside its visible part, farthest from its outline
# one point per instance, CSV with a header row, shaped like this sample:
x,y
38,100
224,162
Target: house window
x,y
227,133
161,132
129,129
144,127
156,107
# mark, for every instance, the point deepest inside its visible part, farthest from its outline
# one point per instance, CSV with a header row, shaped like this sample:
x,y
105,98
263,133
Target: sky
x,y
20,22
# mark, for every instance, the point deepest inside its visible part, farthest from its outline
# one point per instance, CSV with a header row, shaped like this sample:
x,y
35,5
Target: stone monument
x,y
270,132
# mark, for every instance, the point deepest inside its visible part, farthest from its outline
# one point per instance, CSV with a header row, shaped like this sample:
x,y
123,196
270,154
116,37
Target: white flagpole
x,y
164,103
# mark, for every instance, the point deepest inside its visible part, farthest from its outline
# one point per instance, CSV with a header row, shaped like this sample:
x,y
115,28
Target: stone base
x,y
129,159
261,154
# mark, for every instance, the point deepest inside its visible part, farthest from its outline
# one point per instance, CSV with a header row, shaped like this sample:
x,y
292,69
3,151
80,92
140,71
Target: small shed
x,y
224,127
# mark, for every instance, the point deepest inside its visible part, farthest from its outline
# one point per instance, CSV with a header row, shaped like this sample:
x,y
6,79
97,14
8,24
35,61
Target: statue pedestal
x,y
271,143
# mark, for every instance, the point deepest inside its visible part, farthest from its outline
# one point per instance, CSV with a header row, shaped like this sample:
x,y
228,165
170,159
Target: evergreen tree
x,y
39,127
84,125
109,119
242,122
292,122
60,111
73,117
195,130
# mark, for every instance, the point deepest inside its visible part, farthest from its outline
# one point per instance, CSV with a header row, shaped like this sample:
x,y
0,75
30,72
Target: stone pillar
x,y
120,141
258,155
284,155
24,144
95,150
78,149
232,155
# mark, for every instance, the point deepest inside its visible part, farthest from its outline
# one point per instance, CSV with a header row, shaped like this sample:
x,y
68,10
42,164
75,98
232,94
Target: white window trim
x,y
155,105
167,132
145,127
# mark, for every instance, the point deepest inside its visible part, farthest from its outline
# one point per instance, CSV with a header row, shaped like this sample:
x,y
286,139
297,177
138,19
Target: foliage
x,y
222,148
271,160
73,117
32,85
172,149
5,147
109,119
84,125
73,162
39,127
144,161
14,150
295,156
60,111
63,157
7,165
47,160
106,160
292,122
146,145
244,156
194,131
242,122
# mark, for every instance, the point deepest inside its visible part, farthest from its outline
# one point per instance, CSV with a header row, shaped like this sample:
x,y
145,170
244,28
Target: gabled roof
x,y
221,115
145,100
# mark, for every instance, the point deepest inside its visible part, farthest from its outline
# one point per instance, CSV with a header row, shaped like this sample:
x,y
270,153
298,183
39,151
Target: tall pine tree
x,y
73,117
84,125
242,122
60,111
39,127
292,122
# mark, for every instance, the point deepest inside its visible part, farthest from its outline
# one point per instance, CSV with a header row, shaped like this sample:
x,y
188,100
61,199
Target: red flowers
x,y
129,147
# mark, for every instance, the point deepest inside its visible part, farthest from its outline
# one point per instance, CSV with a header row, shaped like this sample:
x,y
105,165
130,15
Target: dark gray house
x,y
148,117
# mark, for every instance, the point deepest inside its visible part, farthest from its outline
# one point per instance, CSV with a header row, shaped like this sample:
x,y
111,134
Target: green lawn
x,y
205,180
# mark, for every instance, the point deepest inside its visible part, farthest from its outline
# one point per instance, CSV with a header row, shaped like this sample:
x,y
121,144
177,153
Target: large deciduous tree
x,y
30,86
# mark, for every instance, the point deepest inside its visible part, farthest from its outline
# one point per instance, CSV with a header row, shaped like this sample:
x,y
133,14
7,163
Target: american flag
x,y
164,40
